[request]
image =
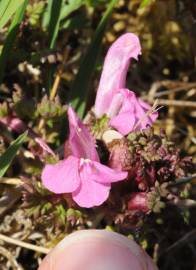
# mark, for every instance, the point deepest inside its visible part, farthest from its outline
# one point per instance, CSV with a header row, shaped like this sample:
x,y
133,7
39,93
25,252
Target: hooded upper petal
x,y
133,115
115,68
63,176
90,193
81,142
115,105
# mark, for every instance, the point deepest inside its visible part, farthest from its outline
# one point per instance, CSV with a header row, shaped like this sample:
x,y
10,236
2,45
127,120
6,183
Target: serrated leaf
x,y
80,88
10,153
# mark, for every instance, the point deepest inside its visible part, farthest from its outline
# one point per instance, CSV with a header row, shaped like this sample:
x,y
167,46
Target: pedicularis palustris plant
x,y
113,159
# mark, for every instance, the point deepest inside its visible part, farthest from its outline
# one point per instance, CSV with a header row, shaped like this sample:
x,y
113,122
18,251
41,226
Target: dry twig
x,y
23,244
5,253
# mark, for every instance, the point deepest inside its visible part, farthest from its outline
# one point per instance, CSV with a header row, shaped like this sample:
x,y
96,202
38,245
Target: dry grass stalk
x,y
23,244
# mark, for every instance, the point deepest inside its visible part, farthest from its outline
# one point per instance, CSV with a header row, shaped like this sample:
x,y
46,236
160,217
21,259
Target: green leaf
x,y
53,28
3,7
56,11
53,17
70,7
7,9
10,153
145,3
80,88
46,15
78,21
95,3
12,32
66,9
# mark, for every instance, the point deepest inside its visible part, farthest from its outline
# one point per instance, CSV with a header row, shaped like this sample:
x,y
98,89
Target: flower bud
x,y
138,202
120,156
13,123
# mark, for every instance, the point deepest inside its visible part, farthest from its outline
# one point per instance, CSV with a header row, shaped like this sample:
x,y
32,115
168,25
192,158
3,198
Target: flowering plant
x,y
116,147
74,159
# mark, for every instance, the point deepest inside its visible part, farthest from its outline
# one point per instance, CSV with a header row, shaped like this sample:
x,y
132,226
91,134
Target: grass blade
x,y
66,9
71,6
53,27
3,7
80,89
13,29
7,9
10,153
46,15
54,12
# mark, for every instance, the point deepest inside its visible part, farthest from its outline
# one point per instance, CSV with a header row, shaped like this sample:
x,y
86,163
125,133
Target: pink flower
x,y
121,105
81,173
97,250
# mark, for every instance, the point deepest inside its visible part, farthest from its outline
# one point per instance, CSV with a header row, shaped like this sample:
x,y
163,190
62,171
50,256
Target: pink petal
x,y
147,107
129,100
123,122
63,176
90,193
104,174
81,142
115,105
115,69
144,116
44,146
133,115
